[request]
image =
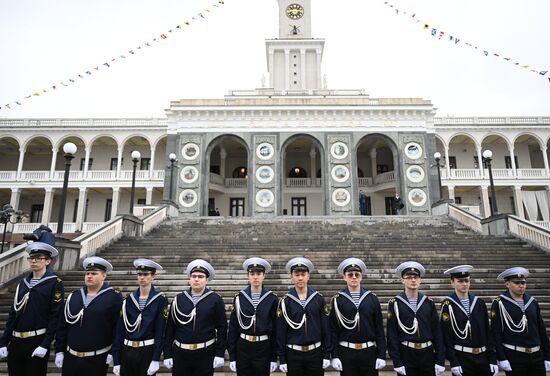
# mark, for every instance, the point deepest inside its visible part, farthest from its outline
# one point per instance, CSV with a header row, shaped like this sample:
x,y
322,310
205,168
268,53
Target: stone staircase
x,y
382,242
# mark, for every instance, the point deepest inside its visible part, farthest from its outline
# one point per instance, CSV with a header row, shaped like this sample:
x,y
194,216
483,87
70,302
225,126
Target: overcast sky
x,y
367,47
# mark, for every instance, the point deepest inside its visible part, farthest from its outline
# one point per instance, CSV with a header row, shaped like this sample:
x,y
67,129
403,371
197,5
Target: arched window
x,y
240,173
297,172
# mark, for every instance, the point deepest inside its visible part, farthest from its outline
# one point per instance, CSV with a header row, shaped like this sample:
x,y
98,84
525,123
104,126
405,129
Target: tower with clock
x,y
294,59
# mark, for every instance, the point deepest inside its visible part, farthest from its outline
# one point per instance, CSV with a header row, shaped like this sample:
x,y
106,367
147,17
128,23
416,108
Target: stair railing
x,y
153,219
13,263
529,231
465,217
91,242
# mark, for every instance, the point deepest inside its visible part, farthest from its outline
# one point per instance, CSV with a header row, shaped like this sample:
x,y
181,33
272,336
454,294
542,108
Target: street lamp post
x,y
136,155
173,158
69,149
437,157
6,215
488,157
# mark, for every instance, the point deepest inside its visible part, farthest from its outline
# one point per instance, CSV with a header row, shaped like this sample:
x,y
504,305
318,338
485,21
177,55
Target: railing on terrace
x,y
498,174
236,183
94,175
298,182
385,177
532,173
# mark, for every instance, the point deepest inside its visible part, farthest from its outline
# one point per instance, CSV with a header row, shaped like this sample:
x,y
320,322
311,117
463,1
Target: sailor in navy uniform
x,y
415,341
357,326
303,328
252,343
522,345
196,331
87,324
33,316
140,329
465,324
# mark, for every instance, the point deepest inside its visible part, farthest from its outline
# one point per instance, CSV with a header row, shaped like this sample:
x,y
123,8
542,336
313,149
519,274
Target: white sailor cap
x,y
460,271
256,264
299,264
144,266
202,266
351,264
516,274
97,263
40,247
410,267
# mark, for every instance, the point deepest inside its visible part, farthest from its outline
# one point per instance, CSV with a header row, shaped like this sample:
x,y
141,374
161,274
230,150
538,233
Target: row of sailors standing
x,y
96,327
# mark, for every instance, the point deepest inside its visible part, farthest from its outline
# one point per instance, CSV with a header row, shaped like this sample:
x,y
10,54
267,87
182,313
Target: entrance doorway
x,y
299,206
236,207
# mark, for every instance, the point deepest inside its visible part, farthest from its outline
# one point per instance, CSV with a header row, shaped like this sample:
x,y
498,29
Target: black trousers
x,y
525,364
253,358
358,362
305,363
474,365
193,363
135,361
20,362
418,362
89,366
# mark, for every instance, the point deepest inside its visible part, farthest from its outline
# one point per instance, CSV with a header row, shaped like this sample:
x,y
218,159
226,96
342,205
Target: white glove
x,y
380,363
153,367
439,370
337,364
547,365
400,370
283,368
39,352
59,359
457,371
169,363
116,370
218,362
233,366
505,365
272,367
109,360
326,363
3,352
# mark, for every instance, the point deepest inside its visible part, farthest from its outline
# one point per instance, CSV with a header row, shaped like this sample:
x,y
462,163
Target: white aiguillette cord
x,y
127,324
410,331
506,318
20,304
69,317
292,324
176,313
344,320
240,313
462,334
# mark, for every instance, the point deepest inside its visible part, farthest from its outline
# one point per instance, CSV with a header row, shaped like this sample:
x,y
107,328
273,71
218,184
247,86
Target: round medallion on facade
x,y
415,174
294,11
340,173
413,150
264,174
339,150
417,197
341,197
188,198
265,151
265,198
189,174
190,151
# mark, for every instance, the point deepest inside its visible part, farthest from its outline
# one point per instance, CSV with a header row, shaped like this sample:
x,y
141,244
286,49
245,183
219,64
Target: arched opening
x,y
228,177
9,153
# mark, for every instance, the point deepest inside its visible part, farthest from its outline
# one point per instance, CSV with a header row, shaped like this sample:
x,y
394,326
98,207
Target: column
x,y
303,69
485,201
372,155
48,202
15,197
313,166
451,191
287,70
119,162
88,150
447,164
54,160
480,161
223,157
149,196
513,160
152,163
545,157
20,164
518,202
270,67
318,69
81,211
114,206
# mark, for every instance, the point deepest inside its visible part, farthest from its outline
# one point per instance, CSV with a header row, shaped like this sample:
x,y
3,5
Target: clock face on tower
x,y
294,11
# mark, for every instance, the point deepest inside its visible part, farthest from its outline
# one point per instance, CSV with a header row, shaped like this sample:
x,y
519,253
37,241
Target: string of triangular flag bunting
x,y
107,64
444,36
